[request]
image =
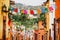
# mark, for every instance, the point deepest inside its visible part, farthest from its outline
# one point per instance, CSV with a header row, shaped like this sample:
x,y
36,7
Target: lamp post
x,y
4,8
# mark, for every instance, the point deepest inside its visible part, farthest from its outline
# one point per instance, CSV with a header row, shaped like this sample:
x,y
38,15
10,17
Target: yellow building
x,y
3,14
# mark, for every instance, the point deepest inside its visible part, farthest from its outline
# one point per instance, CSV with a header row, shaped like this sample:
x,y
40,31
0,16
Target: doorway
x,y
4,28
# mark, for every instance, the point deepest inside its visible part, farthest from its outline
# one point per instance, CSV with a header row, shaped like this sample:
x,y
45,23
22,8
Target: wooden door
x,y
4,28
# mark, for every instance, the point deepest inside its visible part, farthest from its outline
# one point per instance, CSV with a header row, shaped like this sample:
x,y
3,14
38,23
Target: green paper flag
x,y
46,10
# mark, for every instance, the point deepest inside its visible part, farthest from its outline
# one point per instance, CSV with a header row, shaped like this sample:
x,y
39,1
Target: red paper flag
x,y
16,10
31,12
51,9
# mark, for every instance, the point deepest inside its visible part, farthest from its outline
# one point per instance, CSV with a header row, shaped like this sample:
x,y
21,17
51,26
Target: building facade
x,y
3,16
57,17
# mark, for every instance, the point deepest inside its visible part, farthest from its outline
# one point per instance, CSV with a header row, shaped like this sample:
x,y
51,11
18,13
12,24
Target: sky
x,y
30,2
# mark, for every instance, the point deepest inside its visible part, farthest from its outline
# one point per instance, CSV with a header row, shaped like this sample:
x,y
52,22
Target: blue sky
x,y
30,2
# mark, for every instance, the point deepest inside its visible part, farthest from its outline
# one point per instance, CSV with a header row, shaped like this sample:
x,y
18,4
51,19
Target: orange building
x,y
57,15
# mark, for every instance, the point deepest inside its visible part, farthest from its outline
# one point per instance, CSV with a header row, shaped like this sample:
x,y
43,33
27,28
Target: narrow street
x,y
29,20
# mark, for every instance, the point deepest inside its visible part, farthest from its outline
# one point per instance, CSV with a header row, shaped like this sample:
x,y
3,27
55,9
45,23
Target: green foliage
x,y
23,19
42,17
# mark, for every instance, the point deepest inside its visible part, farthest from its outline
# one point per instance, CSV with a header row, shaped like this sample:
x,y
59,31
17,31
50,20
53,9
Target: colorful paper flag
x,y
38,11
31,12
35,11
46,10
43,10
51,8
16,10
11,8
28,11
25,11
22,10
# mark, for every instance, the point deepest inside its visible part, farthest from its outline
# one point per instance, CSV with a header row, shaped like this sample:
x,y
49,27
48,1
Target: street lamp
x,y
9,11
4,8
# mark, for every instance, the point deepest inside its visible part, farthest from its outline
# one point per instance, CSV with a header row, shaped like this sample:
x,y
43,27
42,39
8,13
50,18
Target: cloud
x,y
30,2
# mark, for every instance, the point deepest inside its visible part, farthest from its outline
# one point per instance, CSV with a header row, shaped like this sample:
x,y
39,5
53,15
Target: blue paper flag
x,y
43,10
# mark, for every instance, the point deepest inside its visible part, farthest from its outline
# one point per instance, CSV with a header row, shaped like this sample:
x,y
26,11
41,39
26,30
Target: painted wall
x,y
2,2
52,16
57,13
1,22
57,9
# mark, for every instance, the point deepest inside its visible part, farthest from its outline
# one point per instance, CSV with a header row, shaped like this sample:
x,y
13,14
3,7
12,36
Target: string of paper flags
x,y
31,11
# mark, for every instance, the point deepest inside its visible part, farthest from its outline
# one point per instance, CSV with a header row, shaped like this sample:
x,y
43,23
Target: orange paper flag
x,y
38,11
22,11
